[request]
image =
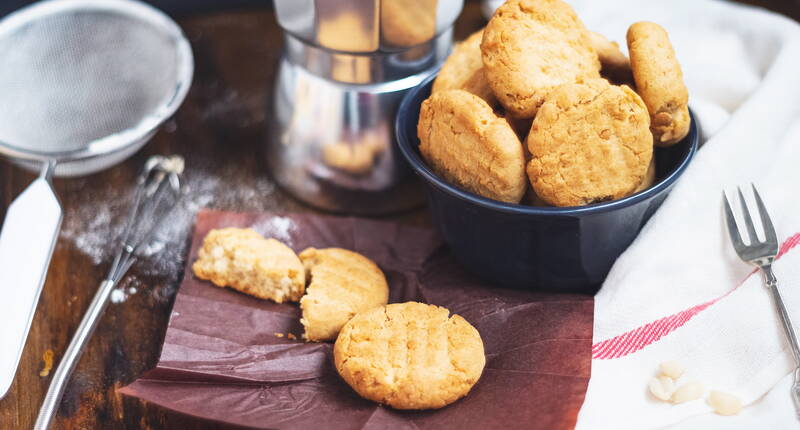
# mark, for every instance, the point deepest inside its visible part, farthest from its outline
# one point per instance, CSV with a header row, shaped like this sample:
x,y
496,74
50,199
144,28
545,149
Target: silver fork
x,y
761,255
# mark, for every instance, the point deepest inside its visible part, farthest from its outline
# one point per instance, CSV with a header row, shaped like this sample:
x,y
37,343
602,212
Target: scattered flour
x,y
93,223
277,227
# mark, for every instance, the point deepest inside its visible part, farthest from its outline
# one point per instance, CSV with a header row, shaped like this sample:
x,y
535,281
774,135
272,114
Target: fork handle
x,y
772,285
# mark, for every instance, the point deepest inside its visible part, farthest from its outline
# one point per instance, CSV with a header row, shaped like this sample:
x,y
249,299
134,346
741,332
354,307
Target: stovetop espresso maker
x,y
346,65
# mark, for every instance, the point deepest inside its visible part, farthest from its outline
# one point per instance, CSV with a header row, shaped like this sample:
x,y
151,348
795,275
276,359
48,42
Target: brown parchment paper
x,y
222,361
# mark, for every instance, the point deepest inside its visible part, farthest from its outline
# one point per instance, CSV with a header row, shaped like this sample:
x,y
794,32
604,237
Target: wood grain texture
x,y
219,129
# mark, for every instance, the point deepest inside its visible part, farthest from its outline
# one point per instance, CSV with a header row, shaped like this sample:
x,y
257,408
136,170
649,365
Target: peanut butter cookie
x,y
342,283
470,146
463,70
659,80
590,143
615,66
242,259
532,46
410,356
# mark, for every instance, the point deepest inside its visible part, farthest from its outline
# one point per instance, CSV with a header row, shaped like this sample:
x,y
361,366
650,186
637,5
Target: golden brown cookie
x,y
531,199
659,80
407,23
342,283
242,259
463,70
410,356
615,66
465,142
532,46
590,143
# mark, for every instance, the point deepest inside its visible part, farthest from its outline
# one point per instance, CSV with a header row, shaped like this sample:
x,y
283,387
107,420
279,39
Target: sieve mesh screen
x,y
69,78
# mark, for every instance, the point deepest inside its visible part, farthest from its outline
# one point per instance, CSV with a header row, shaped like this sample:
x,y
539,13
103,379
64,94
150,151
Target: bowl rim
x,y
421,168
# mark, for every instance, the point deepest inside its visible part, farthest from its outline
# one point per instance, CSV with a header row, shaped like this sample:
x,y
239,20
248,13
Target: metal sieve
x,y
83,85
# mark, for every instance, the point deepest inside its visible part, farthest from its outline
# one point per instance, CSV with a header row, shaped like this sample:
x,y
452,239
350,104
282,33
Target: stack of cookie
x,y
589,117
406,355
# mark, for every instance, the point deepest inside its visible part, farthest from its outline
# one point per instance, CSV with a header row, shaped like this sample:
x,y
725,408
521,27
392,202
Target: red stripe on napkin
x,y
638,338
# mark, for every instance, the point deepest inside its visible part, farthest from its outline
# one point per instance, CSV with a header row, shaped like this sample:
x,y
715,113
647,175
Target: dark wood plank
x,y
219,130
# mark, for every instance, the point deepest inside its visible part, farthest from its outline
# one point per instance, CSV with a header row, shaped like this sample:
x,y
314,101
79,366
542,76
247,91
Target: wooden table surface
x,y
219,130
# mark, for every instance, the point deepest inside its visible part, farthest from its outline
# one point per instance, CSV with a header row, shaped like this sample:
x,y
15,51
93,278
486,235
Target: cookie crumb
x,y
291,336
47,357
278,334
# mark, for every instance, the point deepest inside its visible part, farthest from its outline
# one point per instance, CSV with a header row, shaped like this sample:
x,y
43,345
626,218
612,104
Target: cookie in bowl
x,y
589,143
467,143
615,65
463,70
530,47
659,80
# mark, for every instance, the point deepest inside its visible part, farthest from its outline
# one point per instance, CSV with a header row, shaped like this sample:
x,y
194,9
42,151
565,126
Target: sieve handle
x,y
27,240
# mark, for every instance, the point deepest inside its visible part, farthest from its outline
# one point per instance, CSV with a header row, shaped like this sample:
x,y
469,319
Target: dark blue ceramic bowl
x,y
545,248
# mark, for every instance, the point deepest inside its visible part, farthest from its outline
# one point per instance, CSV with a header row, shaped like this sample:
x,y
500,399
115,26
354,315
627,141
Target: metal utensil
x,y
85,83
761,254
157,192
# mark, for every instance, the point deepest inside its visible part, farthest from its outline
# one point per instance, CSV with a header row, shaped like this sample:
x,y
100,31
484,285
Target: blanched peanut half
x,y
662,387
688,392
724,403
671,369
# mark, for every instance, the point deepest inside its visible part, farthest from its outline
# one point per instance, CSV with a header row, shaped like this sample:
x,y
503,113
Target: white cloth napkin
x,y
680,292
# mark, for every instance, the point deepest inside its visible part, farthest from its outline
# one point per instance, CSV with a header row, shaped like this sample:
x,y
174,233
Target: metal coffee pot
x,y
346,65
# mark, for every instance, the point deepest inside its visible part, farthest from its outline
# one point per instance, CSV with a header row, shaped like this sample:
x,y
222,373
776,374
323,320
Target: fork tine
x,y
733,229
769,229
748,221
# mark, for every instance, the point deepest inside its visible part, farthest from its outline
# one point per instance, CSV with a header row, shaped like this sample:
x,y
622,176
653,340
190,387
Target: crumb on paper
x,y
291,336
278,334
47,357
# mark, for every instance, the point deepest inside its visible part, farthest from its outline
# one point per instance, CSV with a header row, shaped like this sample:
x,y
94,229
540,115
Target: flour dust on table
x,y
94,225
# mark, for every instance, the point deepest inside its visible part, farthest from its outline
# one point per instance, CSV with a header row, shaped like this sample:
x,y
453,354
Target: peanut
x,y
661,388
724,403
688,392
